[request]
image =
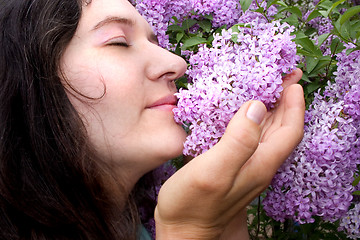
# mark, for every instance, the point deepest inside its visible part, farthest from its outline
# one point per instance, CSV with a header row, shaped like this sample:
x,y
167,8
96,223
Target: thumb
x,y
243,133
238,143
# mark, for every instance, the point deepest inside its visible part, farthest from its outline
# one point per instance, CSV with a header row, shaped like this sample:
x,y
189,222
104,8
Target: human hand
x,y
203,197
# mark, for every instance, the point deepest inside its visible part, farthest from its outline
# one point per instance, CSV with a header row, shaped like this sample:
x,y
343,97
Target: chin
x,y
172,145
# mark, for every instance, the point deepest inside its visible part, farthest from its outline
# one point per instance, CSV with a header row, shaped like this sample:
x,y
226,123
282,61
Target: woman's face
x,y
114,59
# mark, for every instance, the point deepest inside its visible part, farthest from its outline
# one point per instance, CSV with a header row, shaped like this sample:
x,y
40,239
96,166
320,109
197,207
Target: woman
x,y
86,98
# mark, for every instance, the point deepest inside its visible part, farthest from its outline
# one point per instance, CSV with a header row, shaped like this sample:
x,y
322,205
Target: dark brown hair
x,y
51,181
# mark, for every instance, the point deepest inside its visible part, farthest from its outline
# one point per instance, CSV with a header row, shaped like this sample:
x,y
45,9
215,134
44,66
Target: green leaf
x,y
188,23
175,28
295,10
355,25
356,193
323,13
310,31
322,38
193,41
305,78
323,62
311,63
345,30
327,4
245,4
205,25
349,13
348,51
336,46
281,3
260,10
335,5
235,28
179,36
313,15
309,46
178,50
292,20
301,51
328,7
279,16
182,82
175,19
337,27
300,35
309,88
356,181
209,17
355,29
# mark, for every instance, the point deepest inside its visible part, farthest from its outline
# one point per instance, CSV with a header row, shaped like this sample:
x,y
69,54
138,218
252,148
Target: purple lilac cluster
x,y
350,223
244,64
160,13
348,81
323,25
157,179
225,12
316,180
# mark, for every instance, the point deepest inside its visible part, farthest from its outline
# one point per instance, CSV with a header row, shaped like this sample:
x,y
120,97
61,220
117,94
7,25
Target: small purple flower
x,y
323,166
228,74
350,223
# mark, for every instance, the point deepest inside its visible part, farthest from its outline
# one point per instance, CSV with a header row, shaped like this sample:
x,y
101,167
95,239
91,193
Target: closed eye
x,y
118,41
120,44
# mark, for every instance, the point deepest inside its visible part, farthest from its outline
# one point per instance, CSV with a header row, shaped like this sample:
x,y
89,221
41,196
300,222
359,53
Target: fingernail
x,y
256,112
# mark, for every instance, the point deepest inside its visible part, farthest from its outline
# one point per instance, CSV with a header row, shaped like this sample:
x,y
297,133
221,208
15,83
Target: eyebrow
x,y
111,19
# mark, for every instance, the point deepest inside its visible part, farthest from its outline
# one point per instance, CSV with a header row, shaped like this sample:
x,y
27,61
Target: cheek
x,y
81,77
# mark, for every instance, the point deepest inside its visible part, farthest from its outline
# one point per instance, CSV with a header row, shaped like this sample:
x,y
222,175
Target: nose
x,y
165,65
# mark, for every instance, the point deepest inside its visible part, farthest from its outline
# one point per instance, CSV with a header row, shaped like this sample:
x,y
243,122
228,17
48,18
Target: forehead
x,y
99,10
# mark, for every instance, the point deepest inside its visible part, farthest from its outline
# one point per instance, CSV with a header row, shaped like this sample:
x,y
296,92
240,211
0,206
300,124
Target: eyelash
x,y
119,44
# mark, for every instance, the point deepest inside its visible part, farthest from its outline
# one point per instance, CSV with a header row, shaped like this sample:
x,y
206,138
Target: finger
x,y
292,78
274,120
281,142
274,114
257,173
220,165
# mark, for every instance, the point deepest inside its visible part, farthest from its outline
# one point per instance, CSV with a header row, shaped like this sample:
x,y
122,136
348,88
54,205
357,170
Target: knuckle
x,y
211,183
205,183
246,138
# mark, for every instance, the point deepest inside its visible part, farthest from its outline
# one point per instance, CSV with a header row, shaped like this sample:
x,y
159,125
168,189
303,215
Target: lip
x,y
165,103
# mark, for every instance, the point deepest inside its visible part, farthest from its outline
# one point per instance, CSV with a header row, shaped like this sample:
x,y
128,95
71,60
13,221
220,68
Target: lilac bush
x,y
316,180
161,13
230,73
235,56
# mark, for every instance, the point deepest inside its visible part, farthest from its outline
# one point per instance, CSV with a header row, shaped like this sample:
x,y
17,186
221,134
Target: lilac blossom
x,y
228,74
316,180
350,223
160,13
322,25
150,194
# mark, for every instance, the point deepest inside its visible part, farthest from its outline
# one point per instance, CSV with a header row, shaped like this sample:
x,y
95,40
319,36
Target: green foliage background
x,y
318,68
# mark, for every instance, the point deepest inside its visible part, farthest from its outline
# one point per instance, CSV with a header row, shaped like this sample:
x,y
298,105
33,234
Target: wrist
x,y
184,230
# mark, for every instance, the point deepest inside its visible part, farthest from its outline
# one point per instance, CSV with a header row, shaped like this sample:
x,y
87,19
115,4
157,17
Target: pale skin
x,y
132,125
